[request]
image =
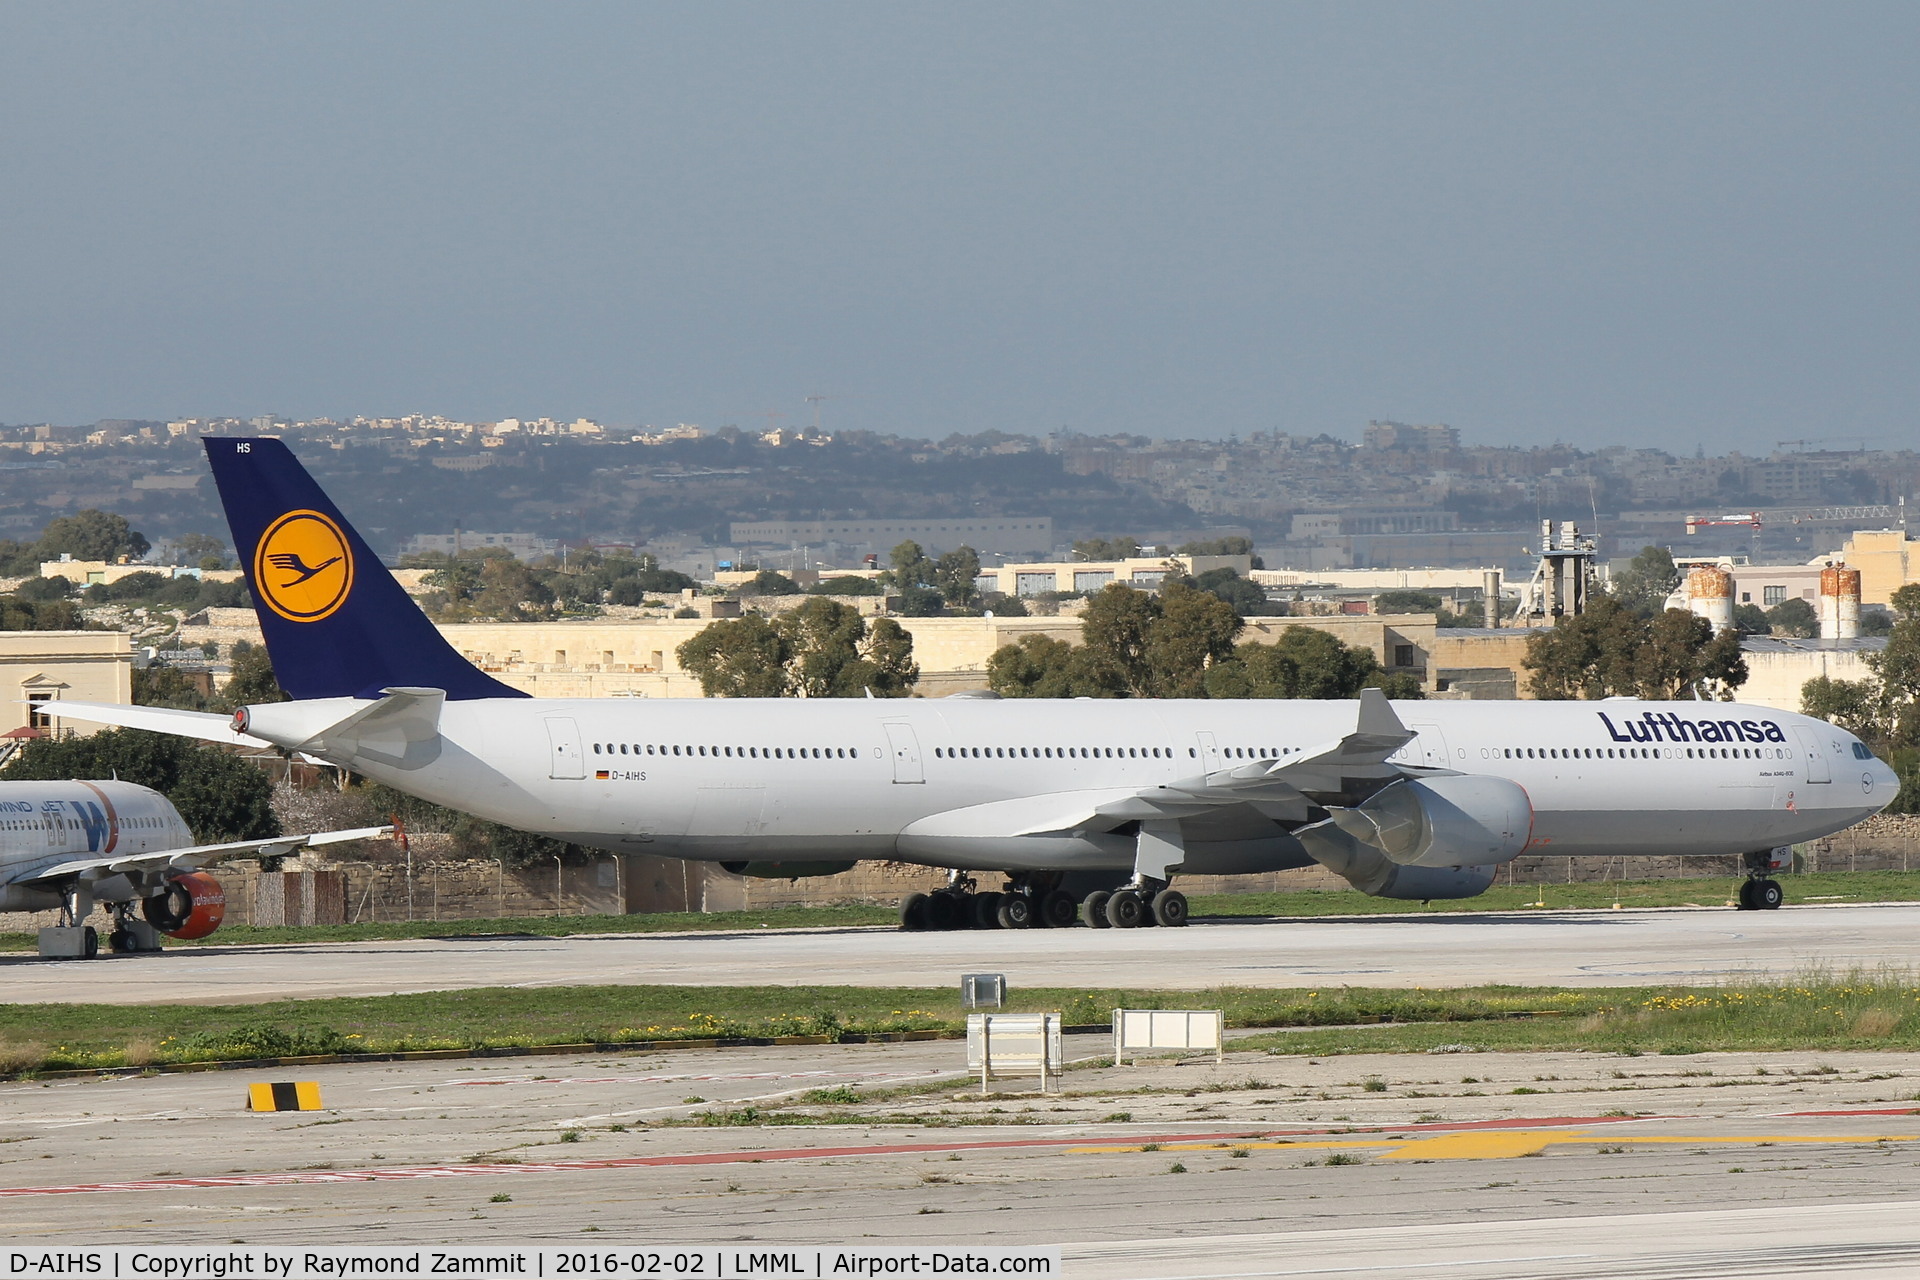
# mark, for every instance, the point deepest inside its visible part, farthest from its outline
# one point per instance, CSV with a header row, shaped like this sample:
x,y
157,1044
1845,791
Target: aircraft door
x,y
1815,754
1209,751
563,736
905,746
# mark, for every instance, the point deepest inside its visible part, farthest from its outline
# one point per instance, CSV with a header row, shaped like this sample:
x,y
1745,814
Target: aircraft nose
x,y
1880,781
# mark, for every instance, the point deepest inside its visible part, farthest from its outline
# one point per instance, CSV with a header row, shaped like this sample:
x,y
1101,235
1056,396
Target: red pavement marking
x,y
308,1177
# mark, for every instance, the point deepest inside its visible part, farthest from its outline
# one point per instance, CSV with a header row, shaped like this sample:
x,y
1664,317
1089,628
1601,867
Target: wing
x,y
196,856
1292,790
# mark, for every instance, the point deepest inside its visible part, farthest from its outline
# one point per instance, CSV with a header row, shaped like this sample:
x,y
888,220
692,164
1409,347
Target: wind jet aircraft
x,y
68,845
1417,800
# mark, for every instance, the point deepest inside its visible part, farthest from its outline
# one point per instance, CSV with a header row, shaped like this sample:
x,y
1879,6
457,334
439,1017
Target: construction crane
x,y
1751,519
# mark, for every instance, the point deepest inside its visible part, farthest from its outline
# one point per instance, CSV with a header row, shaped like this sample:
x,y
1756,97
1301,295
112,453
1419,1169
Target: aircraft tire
x,y
1170,908
914,916
92,942
946,911
986,910
1016,911
1746,897
119,942
1768,895
1094,909
1125,910
1058,910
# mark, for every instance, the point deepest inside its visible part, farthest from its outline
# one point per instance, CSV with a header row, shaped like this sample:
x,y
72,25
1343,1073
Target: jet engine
x,y
191,906
1439,837
786,870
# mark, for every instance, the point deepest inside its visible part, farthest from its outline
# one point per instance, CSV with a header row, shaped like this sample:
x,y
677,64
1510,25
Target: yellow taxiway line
x,y
1496,1144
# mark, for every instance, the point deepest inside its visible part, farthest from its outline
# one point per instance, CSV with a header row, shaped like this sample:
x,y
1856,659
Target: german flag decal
x,y
601,775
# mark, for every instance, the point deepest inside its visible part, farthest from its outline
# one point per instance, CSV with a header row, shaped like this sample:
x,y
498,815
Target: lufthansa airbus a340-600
x,y
1415,800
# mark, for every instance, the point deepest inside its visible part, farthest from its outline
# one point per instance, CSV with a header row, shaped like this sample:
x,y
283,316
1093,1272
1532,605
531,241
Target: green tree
x,y
1644,585
1194,630
1610,651
220,795
954,574
20,614
198,548
823,649
1231,545
768,582
252,680
847,586
1106,548
1854,705
1751,620
922,602
1038,666
1302,662
510,592
91,535
1896,668
1116,627
1406,602
739,658
910,566
1684,657
1246,598
158,685
1793,618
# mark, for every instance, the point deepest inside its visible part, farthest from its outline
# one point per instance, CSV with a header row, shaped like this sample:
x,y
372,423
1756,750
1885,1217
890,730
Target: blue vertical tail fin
x,y
337,625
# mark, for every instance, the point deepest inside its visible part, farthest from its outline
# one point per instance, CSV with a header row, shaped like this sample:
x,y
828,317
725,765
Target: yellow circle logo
x,y
303,567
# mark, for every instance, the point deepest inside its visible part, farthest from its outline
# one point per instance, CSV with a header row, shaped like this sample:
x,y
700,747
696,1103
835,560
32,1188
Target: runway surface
x,y
1705,1165
1576,948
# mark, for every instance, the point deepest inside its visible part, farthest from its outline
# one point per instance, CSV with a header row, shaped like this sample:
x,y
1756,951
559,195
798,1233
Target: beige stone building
x,y
1886,559
39,668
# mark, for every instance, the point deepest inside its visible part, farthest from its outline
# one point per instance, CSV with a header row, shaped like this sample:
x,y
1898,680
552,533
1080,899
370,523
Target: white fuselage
x,y
45,824
727,780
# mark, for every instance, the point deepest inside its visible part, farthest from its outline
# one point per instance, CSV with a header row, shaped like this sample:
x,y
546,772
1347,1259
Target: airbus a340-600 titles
x,y
1415,800
69,846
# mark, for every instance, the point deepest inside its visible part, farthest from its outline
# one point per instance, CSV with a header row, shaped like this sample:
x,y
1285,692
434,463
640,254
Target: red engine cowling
x,y
191,906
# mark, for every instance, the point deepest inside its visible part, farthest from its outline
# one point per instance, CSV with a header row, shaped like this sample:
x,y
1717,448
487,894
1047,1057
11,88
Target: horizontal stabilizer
x,y
205,725
194,857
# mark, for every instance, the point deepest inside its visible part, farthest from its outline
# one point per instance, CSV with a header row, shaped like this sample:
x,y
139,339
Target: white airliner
x,y
65,846
1415,800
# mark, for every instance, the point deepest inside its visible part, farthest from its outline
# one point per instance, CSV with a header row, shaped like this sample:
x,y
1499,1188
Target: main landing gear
x,y
1760,891
1028,901
1136,907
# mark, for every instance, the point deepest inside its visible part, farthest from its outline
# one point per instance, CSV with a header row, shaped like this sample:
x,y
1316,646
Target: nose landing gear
x,y
1760,891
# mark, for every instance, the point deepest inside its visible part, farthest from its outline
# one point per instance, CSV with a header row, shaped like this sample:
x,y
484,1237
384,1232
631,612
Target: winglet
x,y
1377,715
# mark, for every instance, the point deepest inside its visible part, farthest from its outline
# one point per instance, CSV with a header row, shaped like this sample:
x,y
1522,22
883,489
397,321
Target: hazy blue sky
x,y
1641,223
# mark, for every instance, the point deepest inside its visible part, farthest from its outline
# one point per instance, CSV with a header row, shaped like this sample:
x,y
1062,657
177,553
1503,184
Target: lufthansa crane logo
x,y
303,567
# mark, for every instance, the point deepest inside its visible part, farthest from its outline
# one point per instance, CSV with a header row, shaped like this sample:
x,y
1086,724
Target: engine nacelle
x,y
786,870
191,906
1449,821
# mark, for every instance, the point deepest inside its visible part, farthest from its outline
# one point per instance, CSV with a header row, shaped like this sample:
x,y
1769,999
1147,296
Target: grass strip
x,y
1837,887
1817,1012
1824,887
